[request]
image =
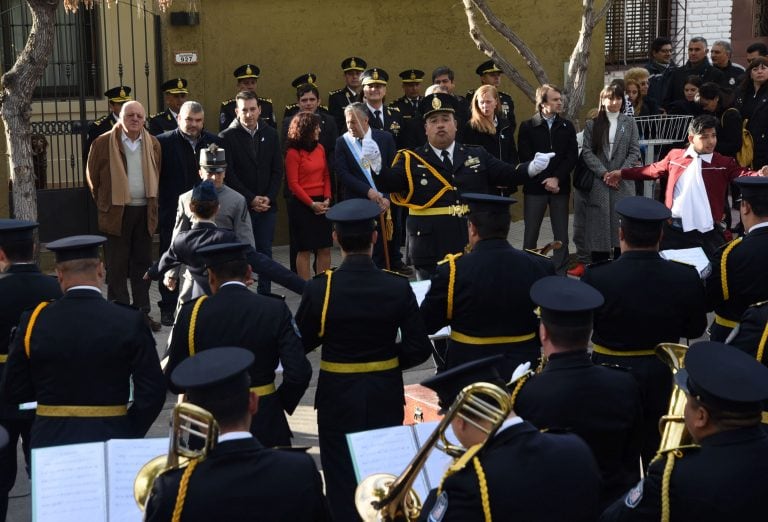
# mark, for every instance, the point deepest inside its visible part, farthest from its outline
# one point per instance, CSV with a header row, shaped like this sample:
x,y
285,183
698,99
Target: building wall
x,y
708,18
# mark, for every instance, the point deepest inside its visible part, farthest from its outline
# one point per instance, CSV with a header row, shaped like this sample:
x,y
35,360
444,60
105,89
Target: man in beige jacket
x,y
123,173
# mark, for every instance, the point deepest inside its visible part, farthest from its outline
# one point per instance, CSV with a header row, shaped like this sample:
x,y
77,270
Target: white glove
x,y
539,162
521,370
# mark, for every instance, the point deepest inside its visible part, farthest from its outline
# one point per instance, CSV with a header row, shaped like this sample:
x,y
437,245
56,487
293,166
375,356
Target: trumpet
x,y
384,497
672,425
189,422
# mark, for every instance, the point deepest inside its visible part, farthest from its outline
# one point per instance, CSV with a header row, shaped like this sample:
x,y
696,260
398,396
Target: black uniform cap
x,y
437,102
356,215
487,67
412,76
12,230
119,94
353,63
564,301
175,86
752,186
214,373
374,75
213,158
205,191
214,255
76,247
310,78
723,376
487,202
639,208
246,71
449,383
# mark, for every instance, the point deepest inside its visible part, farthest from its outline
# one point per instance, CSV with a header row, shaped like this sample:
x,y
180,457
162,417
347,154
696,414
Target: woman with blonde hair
x,y
645,106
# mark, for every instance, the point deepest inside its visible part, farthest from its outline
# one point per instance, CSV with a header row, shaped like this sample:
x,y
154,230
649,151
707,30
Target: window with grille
x,y
761,18
631,26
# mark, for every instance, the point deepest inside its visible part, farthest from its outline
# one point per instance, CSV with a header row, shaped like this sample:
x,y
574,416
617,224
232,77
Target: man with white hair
x,y
721,53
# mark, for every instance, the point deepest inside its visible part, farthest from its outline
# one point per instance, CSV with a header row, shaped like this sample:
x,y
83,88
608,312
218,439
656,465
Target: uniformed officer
x,y
356,312
292,109
22,286
78,356
648,300
408,106
738,277
239,479
340,98
429,181
247,76
374,93
235,316
175,93
717,479
490,74
483,295
519,474
116,97
601,404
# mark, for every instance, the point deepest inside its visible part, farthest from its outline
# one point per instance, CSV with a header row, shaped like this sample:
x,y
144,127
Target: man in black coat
x,y
697,65
483,295
601,404
79,356
174,95
648,300
22,286
429,182
516,472
255,171
720,478
239,479
235,316
357,312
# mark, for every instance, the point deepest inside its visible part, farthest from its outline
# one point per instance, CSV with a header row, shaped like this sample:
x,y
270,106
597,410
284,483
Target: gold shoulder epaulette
x,y
533,252
268,100
324,107
155,115
448,257
101,120
291,106
394,108
337,91
394,273
227,102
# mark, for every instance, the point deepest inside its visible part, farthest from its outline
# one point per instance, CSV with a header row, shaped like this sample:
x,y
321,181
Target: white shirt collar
x,y
509,423
126,139
449,148
689,152
759,225
234,435
84,287
240,283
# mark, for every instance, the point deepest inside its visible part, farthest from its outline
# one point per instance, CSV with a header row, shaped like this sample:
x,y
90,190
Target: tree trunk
x,y
18,84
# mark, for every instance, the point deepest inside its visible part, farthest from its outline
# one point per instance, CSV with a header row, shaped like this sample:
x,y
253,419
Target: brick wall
x,y
708,18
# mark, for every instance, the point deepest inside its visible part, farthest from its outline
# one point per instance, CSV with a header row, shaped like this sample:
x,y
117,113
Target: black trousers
x,y
127,257
168,299
17,428
675,238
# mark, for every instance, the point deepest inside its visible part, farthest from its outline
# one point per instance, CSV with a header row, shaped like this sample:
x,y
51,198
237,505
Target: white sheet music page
x,y
438,462
125,457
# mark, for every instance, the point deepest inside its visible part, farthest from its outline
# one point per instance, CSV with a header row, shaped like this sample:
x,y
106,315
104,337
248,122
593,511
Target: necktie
x,y
377,116
447,160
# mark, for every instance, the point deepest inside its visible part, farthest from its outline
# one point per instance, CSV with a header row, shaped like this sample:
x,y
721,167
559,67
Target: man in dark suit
x,y
697,65
247,77
180,165
116,97
175,94
357,312
601,404
22,286
235,316
79,356
648,300
487,305
513,472
430,180
361,155
239,479
715,479
340,98
255,171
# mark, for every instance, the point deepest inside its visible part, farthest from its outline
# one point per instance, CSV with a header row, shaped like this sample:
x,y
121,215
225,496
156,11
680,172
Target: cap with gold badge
x,y
175,86
437,102
374,76
119,94
412,76
247,71
487,68
353,63
304,79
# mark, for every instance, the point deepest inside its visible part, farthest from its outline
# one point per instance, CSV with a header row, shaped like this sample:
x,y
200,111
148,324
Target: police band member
x,y
601,404
490,74
175,93
430,180
667,303
738,277
716,479
357,312
116,97
247,77
78,356
22,286
519,474
483,295
235,316
340,98
239,479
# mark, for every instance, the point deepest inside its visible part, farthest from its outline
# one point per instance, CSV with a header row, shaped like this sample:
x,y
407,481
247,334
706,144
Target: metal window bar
x,y
631,26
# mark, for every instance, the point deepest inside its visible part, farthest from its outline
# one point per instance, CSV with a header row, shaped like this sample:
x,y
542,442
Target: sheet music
x,y
420,289
690,256
125,457
437,462
68,483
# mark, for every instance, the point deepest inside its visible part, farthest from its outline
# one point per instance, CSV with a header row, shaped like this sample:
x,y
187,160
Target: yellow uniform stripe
x,y
597,348
81,411
374,366
452,210
3,358
193,324
30,325
722,321
765,417
265,390
724,267
326,300
468,339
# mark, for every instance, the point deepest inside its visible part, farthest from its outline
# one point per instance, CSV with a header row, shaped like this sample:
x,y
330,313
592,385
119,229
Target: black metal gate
x,y
109,45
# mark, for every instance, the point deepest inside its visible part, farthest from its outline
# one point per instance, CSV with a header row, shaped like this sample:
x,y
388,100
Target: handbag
x,y
583,178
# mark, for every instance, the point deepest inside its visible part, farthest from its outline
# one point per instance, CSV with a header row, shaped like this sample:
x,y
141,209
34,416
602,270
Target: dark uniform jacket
x,y
96,129
719,481
241,480
412,133
162,122
430,238
749,337
536,136
501,145
254,163
490,299
507,106
83,352
227,112
235,316
746,279
337,100
353,183
531,476
598,403
393,123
